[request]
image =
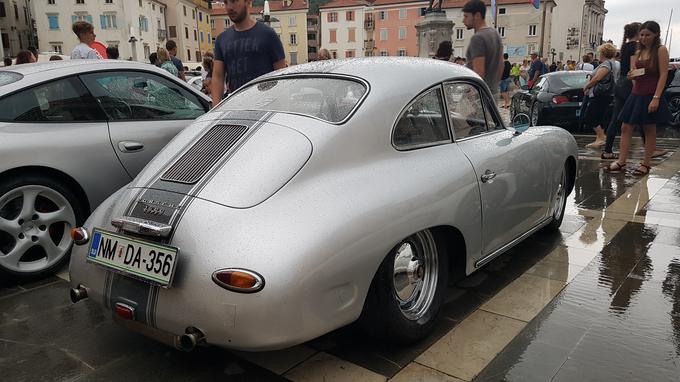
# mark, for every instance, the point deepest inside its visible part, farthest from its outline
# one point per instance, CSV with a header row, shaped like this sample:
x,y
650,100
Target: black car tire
x,y
383,313
52,193
560,202
535,117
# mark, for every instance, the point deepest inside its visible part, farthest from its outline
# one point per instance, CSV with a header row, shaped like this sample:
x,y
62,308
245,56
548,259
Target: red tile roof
x,y
446,4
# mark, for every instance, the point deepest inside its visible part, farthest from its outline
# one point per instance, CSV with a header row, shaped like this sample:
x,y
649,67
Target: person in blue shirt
x,y
245,51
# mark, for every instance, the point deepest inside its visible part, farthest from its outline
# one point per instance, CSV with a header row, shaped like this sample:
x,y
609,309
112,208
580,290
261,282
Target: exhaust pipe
x,y
78,293
188,341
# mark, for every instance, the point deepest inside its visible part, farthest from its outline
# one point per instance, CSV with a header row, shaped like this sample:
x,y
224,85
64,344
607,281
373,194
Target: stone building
x,y
16,32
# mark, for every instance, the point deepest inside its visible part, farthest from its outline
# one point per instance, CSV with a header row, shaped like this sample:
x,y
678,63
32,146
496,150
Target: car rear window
x,y
564,82
7,77
326,98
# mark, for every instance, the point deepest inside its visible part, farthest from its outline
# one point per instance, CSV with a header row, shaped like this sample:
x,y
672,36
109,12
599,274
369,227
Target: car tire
x,y
36,217
535,116
674,106
559,202
407,291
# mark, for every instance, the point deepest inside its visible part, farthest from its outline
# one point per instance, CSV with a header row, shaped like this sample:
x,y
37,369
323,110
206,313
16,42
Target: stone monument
x,y
433,30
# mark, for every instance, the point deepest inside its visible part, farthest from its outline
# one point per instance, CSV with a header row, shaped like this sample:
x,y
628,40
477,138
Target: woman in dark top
x,y
645,106
623,86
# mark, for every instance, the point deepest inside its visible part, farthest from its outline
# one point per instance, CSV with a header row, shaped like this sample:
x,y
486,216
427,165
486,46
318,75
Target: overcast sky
x,y
622,12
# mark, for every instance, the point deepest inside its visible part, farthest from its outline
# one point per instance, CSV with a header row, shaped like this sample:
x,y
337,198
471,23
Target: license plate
x,y
147,261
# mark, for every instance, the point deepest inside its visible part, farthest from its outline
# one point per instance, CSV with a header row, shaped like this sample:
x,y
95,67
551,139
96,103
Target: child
x,y
85,33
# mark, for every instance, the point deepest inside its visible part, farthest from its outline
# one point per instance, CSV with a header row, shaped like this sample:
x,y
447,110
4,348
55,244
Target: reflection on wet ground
x,y
598,300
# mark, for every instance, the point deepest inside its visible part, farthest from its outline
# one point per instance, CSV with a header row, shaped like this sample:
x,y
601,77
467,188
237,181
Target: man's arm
x,y
280,64
217,83
181,75
478,65
501,67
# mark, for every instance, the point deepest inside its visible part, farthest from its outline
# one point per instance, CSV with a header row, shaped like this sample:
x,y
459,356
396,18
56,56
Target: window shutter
x,y
74,18
89,18
102,21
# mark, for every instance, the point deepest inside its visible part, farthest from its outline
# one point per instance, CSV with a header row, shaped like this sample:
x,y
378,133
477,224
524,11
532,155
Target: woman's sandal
x,y
639,172
615,167
606,155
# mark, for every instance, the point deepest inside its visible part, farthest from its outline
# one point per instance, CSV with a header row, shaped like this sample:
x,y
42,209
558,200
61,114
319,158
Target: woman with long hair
x,y
645,106
164,62
623,86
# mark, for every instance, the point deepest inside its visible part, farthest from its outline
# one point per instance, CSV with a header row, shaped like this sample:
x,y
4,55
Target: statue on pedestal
x,y
431,8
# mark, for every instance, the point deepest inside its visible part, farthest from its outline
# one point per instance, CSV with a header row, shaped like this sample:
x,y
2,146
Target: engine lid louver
x,y
207,151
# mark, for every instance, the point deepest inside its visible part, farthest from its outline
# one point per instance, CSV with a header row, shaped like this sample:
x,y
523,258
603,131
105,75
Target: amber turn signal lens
x,y
238,280
79,235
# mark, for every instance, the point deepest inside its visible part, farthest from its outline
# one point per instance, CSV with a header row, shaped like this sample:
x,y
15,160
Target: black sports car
x,y
554,100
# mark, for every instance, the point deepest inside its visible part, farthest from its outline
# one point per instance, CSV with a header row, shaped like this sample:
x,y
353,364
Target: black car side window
x,y
142,96
422,123
466,113
63,100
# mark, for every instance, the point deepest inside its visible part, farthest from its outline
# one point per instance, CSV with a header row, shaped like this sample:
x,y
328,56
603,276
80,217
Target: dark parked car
x,y
672,94
554,100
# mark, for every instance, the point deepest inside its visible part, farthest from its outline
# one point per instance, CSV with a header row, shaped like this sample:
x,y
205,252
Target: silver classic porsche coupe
x,y
319,195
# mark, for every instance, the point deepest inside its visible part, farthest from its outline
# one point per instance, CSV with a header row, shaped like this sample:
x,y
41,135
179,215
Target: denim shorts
x,y
505,84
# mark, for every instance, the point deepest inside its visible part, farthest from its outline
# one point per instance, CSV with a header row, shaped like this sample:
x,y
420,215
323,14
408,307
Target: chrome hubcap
x,y
35,224
534,116
415,274
560,194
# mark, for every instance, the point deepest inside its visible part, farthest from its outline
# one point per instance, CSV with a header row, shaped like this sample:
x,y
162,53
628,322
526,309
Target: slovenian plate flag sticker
x,y
536,3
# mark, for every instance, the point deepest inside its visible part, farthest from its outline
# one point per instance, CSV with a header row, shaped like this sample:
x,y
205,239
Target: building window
x,y
153,8
50,2
2,12
172,30
56,47
384,53
293,58
188,55
105,2
402,33
501,31
349,54
333,17
80,1
140,4
382,15
459,33
332,36
293,39
195,35
198,56
402,14
201,36
349,15
185,9
16,15
53,22
200,16
108,21
147,51
532,30
186,33
193,14
501,11
311,36
334,54
401,52
143,24
212,23
383,34
292,21
81,17
351,35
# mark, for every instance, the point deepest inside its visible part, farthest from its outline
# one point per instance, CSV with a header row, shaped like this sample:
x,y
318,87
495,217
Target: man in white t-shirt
x,y
85,33
585,64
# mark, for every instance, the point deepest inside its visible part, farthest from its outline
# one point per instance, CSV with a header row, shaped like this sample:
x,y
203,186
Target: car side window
x,y
492,121
465,110
422,123
63,100
142,96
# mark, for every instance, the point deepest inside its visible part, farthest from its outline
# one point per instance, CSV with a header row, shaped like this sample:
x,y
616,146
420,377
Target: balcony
x,y
369,45
312,27
369,24
162,34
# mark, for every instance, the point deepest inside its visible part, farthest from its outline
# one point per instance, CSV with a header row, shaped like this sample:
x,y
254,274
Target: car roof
x,y
42,71
413,72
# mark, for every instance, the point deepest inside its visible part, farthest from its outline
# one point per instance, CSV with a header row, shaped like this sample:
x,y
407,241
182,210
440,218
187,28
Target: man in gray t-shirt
x,y
485,52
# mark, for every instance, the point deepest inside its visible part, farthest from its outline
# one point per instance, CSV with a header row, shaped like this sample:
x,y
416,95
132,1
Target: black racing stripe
x,y
131,292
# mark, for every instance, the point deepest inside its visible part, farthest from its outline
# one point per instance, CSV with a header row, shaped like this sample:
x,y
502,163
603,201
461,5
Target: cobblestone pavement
x,y
598,300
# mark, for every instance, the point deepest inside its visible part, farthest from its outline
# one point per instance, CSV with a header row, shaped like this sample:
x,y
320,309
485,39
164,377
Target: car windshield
x,y
569,81
329,99
7,77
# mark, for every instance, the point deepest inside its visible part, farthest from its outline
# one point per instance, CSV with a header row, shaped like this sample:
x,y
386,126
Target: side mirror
x,y
520,123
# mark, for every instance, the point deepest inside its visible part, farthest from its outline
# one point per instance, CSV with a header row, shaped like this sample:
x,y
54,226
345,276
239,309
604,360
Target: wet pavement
x,y
599,300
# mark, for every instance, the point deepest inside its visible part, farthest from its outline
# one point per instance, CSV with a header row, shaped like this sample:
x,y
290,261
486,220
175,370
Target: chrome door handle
x,y
488,176
129,146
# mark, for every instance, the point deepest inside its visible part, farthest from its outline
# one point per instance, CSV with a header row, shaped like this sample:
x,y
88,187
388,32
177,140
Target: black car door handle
x,y
488,176
129,146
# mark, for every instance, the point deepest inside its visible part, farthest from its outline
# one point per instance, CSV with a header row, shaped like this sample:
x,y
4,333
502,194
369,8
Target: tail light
x,y
560,99
80,235
125,311
238,280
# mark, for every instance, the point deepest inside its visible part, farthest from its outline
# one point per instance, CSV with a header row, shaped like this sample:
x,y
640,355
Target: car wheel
x,y
535,113
674,106
559,202
36,217
407,291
